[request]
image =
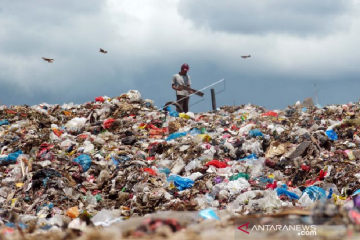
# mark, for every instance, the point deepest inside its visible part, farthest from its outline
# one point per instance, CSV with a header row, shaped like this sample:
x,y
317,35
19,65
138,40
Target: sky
x,y
294,45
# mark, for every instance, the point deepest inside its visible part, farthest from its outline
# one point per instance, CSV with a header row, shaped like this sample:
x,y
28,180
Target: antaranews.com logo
x,y
303,230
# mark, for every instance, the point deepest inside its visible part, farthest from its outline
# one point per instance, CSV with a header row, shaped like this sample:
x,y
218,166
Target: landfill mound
x,y
122,168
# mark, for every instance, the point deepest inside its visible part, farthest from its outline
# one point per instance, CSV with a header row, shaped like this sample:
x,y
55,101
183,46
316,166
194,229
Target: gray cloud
x,y
299,17
148,41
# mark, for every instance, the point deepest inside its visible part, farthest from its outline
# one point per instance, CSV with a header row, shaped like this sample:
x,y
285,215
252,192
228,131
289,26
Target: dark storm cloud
x,y
299,17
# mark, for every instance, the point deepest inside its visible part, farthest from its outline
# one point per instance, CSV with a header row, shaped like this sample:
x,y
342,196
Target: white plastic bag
x,y
75,124
134,96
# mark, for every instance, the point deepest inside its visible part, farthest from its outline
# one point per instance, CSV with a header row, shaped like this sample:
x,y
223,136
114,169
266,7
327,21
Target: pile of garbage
x,y
68,170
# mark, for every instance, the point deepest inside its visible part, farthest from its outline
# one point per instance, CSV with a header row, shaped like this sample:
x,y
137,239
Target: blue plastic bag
x,y
195,131
165,170
330,193
15,226
315,192
208,214
115,162
356,192
255,133
4,122
13,156
175,135
84,160
181,183
172,113
331,134
283,191
251,156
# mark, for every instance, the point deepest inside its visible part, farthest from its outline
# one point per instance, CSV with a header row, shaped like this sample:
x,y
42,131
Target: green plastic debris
x,y
203,130
239,175
98,197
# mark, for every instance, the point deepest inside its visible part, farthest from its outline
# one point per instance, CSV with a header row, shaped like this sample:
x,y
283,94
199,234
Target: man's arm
x,y
174,83
173,87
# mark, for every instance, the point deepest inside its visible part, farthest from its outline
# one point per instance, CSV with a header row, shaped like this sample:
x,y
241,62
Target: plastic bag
x,y
13,156
72,212
234,187
172,113
105,218
242,198
76,124
175,135
193,165
357,201
283,191
84,160
150,171
195,131
270,201
315,192
305,200
88,147
99,99
208,214
251,156
246,129
252,146
255,133
108,123
217,164
181,183
165,170
4,122
134,96
239,175
183,115
356,192
204,137
331,134
269,114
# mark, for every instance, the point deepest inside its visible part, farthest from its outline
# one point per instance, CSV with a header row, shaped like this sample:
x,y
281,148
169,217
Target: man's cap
x,y
185,67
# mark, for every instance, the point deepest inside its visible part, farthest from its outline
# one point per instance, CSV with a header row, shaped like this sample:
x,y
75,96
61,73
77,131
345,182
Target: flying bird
x,y
244,57
49,60
102,50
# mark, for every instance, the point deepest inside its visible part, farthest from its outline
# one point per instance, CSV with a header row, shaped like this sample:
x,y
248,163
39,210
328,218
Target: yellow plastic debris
x,y
183,115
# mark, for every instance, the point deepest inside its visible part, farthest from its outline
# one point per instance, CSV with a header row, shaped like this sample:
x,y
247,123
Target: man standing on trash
x,y
182,79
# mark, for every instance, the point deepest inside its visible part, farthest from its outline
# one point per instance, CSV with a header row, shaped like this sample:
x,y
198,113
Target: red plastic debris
x,y
150,171
321,175
233,127
10,111
271,185
100,99
309,183
217,164
82,136
95,192
305,168
108,123
269,114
